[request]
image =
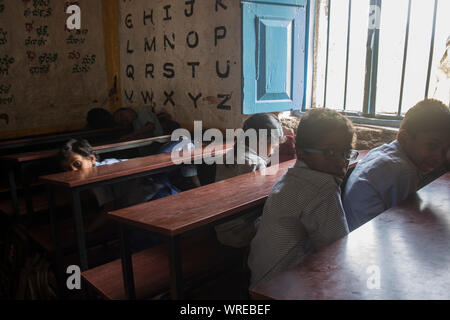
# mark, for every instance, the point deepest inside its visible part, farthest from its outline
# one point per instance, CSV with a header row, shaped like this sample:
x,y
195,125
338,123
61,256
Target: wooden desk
x,y
191,211
76,181
408,244
182,214
20,161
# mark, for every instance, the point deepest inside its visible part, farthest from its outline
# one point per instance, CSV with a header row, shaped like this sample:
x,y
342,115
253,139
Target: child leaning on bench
x,y
391,172
303,212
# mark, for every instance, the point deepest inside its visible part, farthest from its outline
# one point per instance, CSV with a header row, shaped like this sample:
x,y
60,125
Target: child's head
x,y
124,116
98,118
324,141
77,155
425,134
271,124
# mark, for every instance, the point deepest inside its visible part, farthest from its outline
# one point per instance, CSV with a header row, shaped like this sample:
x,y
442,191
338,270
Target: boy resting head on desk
x,y
389,173
303,212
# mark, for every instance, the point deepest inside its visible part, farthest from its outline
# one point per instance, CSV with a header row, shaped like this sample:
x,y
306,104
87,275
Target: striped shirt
x,y
302,214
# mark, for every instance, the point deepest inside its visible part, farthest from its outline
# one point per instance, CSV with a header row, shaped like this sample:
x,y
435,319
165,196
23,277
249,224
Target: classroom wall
x,y
185,57
51,76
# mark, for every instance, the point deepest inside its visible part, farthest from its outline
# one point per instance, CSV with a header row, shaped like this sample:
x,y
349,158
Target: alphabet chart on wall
x,y
183,57
50,75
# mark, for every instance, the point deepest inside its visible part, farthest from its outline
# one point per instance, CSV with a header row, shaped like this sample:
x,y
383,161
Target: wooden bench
x,y
151,268
407,246
20,161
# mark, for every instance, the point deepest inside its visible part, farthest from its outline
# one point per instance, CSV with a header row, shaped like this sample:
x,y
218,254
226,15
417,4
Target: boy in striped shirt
x,y
304,211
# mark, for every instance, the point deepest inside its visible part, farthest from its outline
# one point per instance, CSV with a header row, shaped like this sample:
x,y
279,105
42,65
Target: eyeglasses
x,y
331,153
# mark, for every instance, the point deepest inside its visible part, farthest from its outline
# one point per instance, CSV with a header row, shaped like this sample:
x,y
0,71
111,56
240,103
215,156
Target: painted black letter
x,y
194,99
148,47
222,105
193,64
189,43
147,97
169,98
167,41
191,12
219,3
128,21
130,71
218,36
130,98
129,51
149,68
223,75
167,17
148,16
168,67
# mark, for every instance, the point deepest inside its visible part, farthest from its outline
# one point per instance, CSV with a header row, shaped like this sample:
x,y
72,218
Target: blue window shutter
x,y
273,60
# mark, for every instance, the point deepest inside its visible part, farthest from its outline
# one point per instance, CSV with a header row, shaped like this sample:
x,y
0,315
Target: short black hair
x,y
317,123
427,115
265,121
81,147
99,118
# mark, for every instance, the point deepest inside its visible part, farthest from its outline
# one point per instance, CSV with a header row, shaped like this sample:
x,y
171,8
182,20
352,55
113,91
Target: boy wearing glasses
x,y
389,173
304,212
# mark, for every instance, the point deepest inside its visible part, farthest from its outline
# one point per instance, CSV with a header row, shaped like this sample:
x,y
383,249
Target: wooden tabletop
x,y
197,207
137,165
408,246
45,154
194,208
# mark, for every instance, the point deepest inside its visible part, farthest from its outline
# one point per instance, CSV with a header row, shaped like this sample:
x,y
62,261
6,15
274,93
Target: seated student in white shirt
x,y
239,232
389,173
303,212
143,124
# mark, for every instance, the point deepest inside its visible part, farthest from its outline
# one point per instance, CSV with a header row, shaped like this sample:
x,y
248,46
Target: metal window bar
x,y
326,61
405,53
373,39
346,54
430,59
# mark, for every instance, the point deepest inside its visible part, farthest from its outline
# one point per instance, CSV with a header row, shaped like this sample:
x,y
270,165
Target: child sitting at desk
x,y
304,213
389,173
143,124
238,232
79,155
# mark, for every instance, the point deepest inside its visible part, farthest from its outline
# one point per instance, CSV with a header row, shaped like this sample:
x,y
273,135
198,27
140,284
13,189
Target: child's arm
x,y
362,203
324,218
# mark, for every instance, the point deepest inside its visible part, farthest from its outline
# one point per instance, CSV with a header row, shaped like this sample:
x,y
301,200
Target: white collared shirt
x,y
302,214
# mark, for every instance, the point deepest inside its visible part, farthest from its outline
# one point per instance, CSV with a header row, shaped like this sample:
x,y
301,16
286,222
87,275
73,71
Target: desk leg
x,y
127,265
26,189
76,209
13,190
57,242
176,276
